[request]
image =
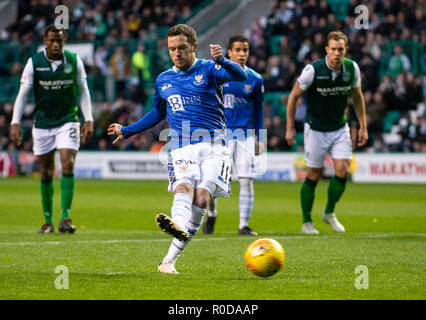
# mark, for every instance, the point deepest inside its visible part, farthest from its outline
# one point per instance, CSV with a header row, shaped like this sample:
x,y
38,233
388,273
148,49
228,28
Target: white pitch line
x,y
289,237
351,236
93,241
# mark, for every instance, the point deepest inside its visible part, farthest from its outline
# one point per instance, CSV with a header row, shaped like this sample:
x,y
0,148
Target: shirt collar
x,y
189,69
64,59
326,62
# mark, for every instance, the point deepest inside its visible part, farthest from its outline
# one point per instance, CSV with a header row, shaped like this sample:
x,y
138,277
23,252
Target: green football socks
x,y
307,196
67,193
46,189
336,188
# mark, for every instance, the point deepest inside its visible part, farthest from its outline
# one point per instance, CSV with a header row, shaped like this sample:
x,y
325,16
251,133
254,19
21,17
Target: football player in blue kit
x,y
244,119
190,95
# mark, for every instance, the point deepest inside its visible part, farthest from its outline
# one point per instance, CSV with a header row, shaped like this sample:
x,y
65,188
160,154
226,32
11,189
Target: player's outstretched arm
x,y
295,94
148,121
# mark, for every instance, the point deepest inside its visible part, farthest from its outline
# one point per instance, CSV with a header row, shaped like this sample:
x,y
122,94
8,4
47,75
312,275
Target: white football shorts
x,y
243,156
317,144
204,164
65,137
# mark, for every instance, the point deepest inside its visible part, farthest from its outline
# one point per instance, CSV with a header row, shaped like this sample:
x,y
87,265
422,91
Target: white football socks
x,y
246,201
181,208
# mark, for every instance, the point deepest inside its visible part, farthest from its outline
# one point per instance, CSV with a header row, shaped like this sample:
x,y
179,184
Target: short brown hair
x,y
337,35
185,30
237,38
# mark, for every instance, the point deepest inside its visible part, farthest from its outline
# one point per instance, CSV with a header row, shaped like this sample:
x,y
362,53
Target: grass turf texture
x,y
117,246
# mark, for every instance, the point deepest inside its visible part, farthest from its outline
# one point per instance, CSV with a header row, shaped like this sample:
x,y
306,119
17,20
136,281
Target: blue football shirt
x,y
192,101
243,101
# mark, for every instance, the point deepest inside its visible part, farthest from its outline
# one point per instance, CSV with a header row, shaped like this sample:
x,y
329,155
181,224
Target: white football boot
x,y
167,267
330,218
308,228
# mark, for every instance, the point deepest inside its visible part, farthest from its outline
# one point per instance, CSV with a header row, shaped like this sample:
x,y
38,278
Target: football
x,y
264,257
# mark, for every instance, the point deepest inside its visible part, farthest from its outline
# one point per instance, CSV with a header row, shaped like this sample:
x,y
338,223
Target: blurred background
x,y
122,44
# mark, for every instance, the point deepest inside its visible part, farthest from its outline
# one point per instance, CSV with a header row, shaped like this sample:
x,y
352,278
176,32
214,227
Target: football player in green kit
x,y
327,84
57,76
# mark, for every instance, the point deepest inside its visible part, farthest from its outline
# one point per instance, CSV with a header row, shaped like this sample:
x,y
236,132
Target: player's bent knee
x,y
184,187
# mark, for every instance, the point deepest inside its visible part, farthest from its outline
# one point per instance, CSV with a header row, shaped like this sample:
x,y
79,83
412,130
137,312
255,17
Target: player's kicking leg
x,y
193,224
175,226
178,246
180,211
171,227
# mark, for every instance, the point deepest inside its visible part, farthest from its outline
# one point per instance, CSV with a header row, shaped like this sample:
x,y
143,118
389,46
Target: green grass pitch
x,y
115,252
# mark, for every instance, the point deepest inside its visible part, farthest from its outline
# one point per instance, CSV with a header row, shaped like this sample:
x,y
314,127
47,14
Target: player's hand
x,y
362,137
290,136
16,134
216,51
115,129
260,148
87,132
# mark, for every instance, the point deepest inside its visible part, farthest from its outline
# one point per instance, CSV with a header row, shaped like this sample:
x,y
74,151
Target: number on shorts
x,y
225,171
73,133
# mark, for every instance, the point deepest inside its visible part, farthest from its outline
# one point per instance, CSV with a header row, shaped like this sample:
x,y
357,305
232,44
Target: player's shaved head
x,y
52,28
184,30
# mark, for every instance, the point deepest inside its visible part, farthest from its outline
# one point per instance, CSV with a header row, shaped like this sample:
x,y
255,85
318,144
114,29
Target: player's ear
x,y
45,41
195,46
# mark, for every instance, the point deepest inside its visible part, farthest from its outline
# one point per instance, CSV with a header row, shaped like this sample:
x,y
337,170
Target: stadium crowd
x,y
292,35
